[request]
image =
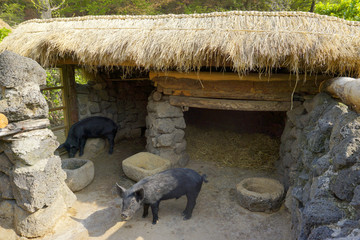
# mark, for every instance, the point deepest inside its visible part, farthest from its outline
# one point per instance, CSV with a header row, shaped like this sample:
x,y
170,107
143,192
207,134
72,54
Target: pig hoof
x,y
155,222
144,215
186,218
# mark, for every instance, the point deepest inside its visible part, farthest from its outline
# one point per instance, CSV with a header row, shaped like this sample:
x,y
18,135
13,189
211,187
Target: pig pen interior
x,y
217,215
244,139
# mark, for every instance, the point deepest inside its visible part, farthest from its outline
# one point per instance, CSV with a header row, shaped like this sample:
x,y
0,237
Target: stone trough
x,y
79,172
260,194
144,164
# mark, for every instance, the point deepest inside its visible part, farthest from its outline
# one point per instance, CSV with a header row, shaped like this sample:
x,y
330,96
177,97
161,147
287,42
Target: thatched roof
x,y
4,25
243,40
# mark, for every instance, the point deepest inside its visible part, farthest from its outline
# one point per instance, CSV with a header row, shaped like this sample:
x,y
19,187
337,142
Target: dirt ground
x,y
217,215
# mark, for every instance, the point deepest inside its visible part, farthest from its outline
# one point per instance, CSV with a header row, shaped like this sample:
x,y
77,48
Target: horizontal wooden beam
x,y
217,76
225,104
25,125
245,90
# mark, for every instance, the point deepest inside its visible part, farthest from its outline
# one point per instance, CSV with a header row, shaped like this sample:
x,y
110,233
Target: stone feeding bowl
x,y
260,194
79,172
144,164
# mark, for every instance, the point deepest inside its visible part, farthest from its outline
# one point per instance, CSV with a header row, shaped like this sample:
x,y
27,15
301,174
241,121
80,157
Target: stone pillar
x,y
32,181
165,131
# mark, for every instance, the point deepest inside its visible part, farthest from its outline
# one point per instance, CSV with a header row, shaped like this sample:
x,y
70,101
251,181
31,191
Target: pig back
x,y
172,183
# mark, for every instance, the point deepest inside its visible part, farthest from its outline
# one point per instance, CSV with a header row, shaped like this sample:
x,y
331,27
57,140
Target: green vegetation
x,y
53,94
15,11
347,9
3,33
53,97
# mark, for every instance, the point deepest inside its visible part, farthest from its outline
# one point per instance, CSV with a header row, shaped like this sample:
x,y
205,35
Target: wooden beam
x,y
26,125
246,90
225,104
345,88
216,76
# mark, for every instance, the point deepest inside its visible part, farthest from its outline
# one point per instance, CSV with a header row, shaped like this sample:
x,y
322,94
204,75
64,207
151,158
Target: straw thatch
x,y
4,25
243,40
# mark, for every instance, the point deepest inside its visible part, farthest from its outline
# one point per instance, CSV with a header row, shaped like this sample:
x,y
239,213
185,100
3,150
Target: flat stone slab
x,y
79,172
144,164
260,194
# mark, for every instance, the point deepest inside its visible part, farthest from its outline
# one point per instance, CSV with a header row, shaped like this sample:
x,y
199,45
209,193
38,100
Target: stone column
x,y
165,131
32,183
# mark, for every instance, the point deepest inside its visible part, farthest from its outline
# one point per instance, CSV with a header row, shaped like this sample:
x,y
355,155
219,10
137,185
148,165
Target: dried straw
x,y
244,40
231,149
4,25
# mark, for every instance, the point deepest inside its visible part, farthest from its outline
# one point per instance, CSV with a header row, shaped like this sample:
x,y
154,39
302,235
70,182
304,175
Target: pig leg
x,y
191,201
111,142
146,210
82,146
155,210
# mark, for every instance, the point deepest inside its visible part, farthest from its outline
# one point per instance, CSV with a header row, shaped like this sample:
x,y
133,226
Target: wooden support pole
x,y
225,104
68,80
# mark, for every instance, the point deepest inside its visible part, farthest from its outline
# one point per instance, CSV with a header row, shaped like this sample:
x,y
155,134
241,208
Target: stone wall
x,y
165,131
320,150
33,193
124,102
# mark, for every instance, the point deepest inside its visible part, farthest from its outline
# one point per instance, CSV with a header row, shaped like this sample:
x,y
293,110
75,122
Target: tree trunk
x,y
312,6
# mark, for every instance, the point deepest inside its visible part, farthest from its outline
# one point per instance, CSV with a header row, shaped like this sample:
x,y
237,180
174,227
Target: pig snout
x,y
124,217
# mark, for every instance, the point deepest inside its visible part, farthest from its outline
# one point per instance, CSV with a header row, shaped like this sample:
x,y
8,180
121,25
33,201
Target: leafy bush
x,y
3,33
347,9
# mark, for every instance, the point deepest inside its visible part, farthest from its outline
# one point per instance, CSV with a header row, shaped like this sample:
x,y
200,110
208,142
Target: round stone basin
x,y
144,164
260,194
79,172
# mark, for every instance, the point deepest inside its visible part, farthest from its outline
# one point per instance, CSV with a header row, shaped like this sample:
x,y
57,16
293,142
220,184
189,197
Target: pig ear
x,y
139,194
120,190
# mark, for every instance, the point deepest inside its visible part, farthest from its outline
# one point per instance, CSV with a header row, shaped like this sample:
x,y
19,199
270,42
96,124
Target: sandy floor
x,y
217,215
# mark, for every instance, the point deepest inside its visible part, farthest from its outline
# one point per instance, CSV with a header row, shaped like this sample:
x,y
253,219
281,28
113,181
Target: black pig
x,y
149,191
92,127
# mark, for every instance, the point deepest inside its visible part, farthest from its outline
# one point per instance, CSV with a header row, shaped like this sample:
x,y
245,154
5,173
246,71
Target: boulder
x,y
164,109
21,98
35,187
42,221
16,70
5,187
320,212
5,164
344,184
32,146
346,152
321,232
7,210
68,196
93,147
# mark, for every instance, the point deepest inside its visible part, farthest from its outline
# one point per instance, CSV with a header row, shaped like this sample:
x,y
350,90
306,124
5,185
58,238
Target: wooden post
x,y
71,114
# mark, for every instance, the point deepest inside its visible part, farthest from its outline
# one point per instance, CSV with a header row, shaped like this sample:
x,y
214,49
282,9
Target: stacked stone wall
x,y
320,163
124,102
165,133
33,193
